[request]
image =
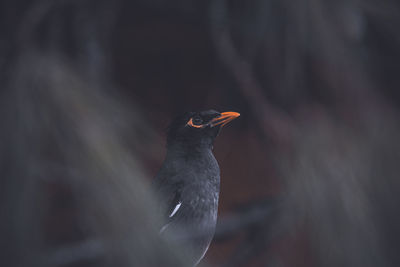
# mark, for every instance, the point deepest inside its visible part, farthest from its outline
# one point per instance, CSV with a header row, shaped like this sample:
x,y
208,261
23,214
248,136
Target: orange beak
x,y
225,118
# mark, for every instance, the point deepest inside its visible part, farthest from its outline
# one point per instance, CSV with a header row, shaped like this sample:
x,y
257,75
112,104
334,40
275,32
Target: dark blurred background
x,y
309,171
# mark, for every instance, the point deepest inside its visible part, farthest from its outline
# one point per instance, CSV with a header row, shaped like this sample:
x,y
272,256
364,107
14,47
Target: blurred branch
x,y
255,219
274,123
30,21
88,250
248,215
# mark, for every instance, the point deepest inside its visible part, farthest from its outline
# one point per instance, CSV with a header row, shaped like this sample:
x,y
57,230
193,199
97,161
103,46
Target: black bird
x,y
189,180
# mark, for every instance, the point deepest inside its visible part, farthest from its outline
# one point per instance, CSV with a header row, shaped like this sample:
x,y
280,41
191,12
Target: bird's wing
x,y
181,224
172,207
169,194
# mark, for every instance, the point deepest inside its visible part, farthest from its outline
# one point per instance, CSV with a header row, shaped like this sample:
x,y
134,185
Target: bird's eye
x,y
197,121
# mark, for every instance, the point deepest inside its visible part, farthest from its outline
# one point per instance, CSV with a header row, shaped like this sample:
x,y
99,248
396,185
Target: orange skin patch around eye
x,y
223,119
190,123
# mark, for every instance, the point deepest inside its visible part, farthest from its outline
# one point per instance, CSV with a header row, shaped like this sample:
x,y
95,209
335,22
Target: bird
x,y
188,182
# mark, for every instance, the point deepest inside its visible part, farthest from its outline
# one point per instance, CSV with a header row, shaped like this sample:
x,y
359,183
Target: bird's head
x,y
198,128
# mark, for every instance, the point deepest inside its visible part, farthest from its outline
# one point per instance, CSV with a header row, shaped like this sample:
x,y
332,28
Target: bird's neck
x,y
199,159
177,153
184,149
